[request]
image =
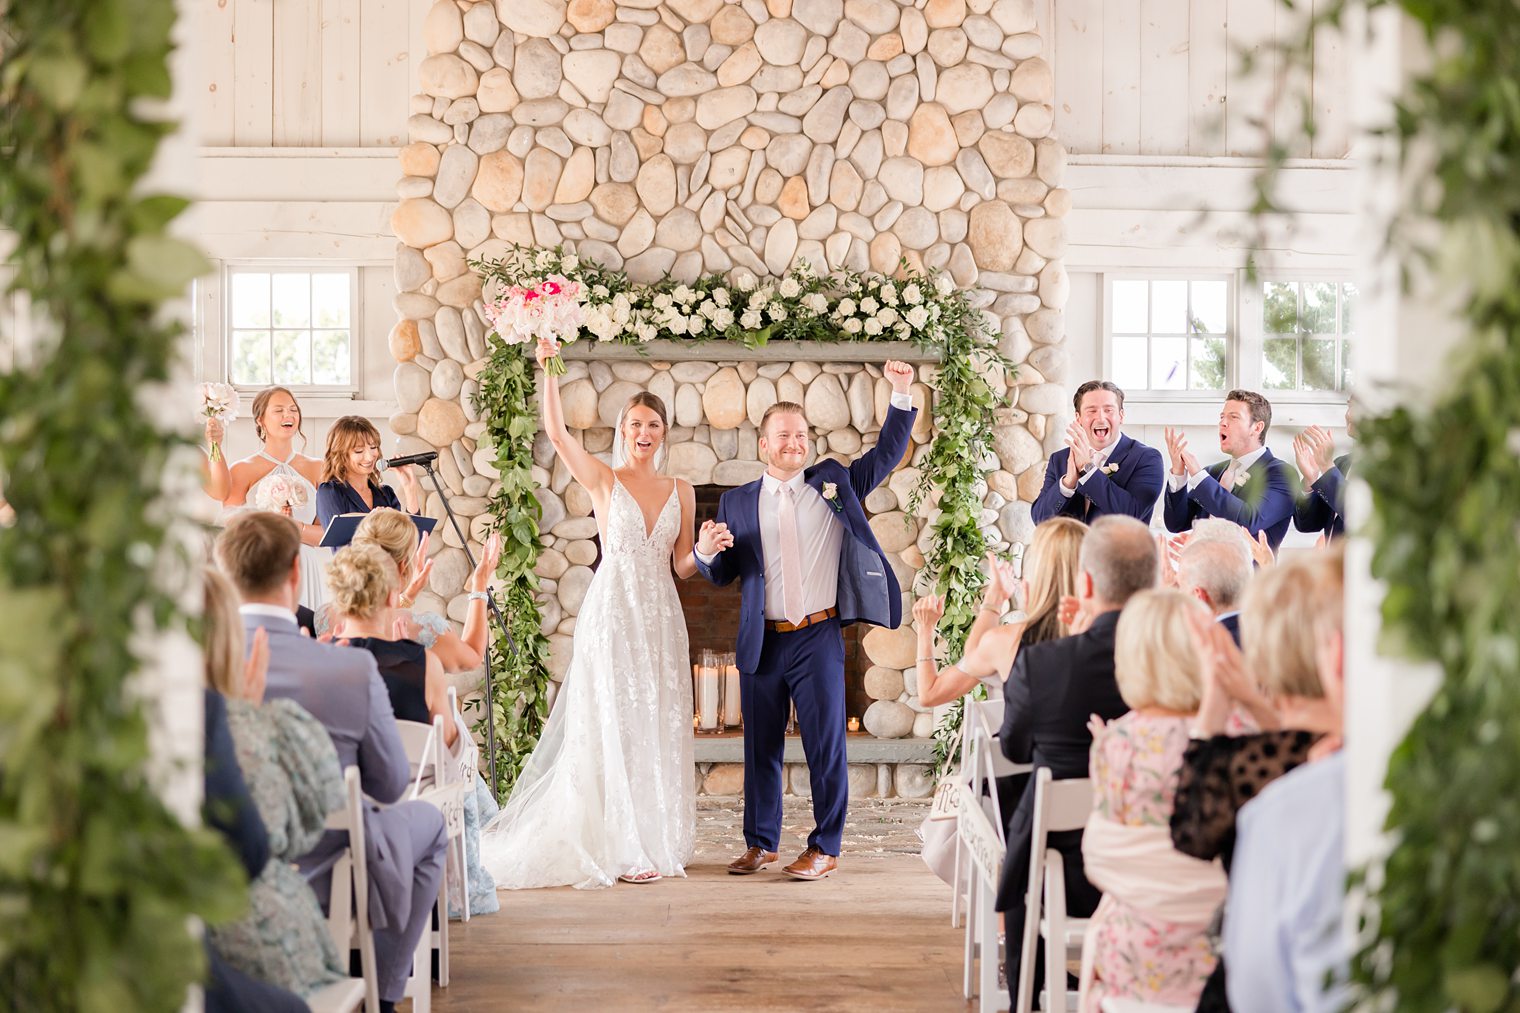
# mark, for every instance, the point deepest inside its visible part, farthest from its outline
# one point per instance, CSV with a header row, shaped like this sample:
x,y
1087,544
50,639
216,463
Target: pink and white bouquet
x,y
277,492
219,401
554,309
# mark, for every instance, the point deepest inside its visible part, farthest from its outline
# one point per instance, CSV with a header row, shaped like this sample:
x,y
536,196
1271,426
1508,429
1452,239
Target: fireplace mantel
x,y
728,351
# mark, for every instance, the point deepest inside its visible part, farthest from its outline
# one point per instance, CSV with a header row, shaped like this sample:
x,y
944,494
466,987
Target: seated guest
x,y
1221,773
991,647
229,809
292,774
1324,480
349,482
1101,471
1216,570
1284,927
394,532
341,688
1053,690
1148,941
1250,487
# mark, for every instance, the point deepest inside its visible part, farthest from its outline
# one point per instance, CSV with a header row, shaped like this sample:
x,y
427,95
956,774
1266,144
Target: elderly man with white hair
x,y
1215,567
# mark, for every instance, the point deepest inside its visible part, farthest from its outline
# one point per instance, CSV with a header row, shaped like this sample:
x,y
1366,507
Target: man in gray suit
x,y
341,687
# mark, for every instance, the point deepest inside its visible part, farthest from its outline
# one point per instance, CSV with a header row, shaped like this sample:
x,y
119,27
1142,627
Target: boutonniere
x,y
1109,469
831,494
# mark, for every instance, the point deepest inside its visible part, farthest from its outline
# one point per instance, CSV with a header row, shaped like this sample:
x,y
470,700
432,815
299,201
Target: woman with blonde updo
x,y
364,586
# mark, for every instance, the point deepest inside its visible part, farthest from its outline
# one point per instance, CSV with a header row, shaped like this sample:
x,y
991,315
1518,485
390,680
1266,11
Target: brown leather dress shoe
x,y
751,862
812,864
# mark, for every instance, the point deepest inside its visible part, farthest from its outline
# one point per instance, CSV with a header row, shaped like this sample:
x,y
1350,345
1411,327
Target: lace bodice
x,y
623,532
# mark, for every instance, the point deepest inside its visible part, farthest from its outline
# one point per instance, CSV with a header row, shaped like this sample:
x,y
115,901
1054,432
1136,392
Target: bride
x,y
608,792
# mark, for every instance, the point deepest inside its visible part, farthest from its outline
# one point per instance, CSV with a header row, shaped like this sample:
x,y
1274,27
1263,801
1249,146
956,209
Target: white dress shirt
x,y
1099,459
820,536
1243,464
269,611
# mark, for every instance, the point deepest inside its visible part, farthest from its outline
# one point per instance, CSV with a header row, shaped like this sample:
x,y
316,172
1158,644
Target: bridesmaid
x,y
277,422
349,482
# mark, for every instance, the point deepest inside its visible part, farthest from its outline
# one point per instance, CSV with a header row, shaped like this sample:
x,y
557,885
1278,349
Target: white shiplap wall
x,y
306,73
1166,77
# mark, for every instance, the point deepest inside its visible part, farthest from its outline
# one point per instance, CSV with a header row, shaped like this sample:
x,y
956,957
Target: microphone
x,y
397,462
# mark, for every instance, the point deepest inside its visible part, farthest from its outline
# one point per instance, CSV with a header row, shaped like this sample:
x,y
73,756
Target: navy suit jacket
x,y
1132,490
1265,503
1320,509
1231,622
868,590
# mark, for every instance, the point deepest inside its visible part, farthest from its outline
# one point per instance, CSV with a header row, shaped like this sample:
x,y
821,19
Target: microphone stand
x,y
494,610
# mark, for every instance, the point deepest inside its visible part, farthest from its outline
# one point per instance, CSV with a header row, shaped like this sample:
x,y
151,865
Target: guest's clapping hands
x,y
1176,450
1225,680
1002,586
713,537
256,668
485,569
1074,614
422,566
1081,446
1314,449
899,374
1261,551
1095,725
1168,550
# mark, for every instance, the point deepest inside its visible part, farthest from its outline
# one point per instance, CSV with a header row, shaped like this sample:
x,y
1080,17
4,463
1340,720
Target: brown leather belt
x,y
782,626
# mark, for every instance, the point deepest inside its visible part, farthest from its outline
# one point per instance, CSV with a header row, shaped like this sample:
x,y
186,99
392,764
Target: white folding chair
x,y
434,783
467,763
983,762
1058,806
984,851
1114,1004
348,910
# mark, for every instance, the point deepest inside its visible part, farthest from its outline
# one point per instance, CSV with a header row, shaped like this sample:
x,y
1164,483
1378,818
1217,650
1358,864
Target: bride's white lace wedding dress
x,y
609,789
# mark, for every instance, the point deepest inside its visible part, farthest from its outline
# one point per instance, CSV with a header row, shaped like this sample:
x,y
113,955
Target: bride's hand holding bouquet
x,y
551,311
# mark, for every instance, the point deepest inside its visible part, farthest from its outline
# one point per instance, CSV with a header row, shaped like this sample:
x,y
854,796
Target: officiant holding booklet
x,y
349,474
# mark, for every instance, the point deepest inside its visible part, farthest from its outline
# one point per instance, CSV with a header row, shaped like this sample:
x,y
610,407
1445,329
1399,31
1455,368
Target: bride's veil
x,y
620,452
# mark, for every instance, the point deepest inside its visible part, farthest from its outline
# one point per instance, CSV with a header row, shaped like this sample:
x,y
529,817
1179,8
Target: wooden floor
x,y
875,935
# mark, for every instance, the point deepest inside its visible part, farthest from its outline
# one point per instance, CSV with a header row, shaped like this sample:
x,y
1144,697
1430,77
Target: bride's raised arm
x,y
584,467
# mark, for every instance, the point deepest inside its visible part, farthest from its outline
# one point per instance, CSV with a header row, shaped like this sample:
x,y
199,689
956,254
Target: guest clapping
x,y
1324,479
1101,471
1148,940
350,482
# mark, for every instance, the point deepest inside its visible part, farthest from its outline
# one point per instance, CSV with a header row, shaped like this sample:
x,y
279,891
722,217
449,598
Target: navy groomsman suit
x,y
1320,509
1265,502
1131,488
807,664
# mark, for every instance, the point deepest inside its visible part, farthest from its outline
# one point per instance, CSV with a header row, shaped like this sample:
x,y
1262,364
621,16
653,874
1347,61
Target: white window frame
x,y
223,316
1232,326
1253,334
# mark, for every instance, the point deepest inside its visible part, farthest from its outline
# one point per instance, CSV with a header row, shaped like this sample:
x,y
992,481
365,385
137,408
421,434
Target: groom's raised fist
x,y
899,374
713,538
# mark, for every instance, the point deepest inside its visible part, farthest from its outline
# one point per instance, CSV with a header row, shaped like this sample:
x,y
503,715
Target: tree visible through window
x,y
291,328
1307,331
1170,334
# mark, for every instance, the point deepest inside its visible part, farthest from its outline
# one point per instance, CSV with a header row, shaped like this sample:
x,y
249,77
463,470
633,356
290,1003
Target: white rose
x,y
852,326
543,260
943,285
903,331
745,280
873,326
647,332
869,305
888,317
912,296
889,294
696,325
816,302
750,321
723,319
599,291
847,307
570,263
708,308
662,301
777,311
917,317
720,296
684,294
676,325
789,288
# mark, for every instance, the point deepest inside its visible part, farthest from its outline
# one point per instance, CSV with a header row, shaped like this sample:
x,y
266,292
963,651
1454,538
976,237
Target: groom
x,y
808,564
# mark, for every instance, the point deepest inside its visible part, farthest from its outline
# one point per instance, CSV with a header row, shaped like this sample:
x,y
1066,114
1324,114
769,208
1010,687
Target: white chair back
x,y
421,744
348,903
438,784
1058,806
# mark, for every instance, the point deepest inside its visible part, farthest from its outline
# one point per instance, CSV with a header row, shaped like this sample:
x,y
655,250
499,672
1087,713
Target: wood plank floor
x,y
875,935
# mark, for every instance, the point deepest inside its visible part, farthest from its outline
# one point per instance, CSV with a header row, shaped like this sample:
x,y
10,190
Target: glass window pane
x,y
1345,365
329,300
1130,314
1169,363
1279,363
1348,308
250,358
1280,307
329,357
292,357
1210,315
1319,364
1207,369
1318,316
1129,363
291,294
250,300
1169,307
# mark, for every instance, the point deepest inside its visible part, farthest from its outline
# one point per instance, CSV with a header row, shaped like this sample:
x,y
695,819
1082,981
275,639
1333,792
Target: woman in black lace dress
x,y
1282,696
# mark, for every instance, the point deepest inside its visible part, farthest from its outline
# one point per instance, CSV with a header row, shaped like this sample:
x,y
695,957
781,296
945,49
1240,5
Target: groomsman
x,y
1250,487
1101,471
1324,481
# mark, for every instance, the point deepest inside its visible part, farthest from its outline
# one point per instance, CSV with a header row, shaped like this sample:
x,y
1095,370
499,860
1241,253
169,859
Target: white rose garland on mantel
x,y
924,308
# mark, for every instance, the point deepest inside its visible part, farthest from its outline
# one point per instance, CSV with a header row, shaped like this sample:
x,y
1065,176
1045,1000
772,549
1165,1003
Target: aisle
x,y
875,935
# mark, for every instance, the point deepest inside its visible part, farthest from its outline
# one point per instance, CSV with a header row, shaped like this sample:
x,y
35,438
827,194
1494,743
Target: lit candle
x,y
732,712
707,698
853,724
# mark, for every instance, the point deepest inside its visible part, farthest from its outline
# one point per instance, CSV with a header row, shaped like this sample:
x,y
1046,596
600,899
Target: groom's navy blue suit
x,y
806,665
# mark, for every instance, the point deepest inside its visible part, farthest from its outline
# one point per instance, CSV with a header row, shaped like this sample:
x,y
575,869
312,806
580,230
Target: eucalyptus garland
x,y
1440,928
98,879
802,305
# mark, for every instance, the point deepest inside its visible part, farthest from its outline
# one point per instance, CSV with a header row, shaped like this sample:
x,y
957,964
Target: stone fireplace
x,y
676,137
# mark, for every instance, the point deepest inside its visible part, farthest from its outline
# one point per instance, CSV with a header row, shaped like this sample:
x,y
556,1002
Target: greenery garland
x,y
1440,929
98,879
799,306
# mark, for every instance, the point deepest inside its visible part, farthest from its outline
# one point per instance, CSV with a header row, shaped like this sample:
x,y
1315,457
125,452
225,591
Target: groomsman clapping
x,y
1321,509
1101,471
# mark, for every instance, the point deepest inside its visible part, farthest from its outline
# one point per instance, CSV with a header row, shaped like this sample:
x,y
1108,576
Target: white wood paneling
x,y
214,28
253,73
1121,77
1332,84
1077,48
340,77
1248,109
385,70
1164,105
298,77
1208,76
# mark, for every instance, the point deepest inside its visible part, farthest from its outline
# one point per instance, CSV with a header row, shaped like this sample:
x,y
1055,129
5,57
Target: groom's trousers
x,y
805,666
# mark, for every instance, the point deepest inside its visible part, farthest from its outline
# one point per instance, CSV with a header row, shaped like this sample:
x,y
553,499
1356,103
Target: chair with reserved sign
x,y
433,782
348,909
1059,805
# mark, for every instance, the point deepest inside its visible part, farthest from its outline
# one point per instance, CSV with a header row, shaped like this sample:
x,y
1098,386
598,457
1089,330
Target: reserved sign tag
x,y
947,800
979,836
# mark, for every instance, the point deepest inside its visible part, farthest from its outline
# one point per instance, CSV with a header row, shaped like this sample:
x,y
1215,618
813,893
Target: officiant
x,y
350,482
1101,471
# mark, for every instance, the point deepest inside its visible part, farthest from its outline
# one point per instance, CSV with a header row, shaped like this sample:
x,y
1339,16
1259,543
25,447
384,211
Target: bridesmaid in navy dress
x,y
349,482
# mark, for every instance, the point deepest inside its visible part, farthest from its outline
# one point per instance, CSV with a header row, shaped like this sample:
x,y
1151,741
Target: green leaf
x,y
59,78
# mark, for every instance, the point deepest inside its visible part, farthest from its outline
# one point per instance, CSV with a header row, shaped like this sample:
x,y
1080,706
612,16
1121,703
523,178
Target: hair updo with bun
x,y
361,578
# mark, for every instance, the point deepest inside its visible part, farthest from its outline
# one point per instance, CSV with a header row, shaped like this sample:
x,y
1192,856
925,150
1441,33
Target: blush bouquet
x,y
552,309
219,401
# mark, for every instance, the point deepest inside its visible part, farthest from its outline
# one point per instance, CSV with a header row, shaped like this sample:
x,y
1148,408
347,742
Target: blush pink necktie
x,y
791,555
1228,478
